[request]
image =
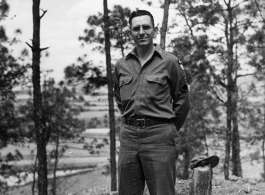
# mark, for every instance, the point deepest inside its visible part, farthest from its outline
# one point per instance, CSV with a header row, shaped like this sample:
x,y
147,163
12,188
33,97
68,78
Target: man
x,y
152,95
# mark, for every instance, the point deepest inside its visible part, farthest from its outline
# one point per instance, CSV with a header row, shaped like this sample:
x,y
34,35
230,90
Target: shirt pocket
x,y
156,87
125,87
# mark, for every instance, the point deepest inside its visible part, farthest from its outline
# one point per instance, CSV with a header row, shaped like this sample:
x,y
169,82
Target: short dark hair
x,y
141,13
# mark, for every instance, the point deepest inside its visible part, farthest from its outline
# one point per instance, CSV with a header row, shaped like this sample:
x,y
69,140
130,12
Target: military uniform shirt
x,y
158,89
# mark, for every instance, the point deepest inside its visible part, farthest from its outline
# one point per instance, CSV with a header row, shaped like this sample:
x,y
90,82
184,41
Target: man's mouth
x,y
142,39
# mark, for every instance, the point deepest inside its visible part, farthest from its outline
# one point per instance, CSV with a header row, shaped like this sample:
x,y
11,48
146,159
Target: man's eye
x,y
146,27
136,29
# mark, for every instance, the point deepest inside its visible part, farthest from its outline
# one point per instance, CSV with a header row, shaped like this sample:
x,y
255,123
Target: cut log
x,y
201,183
113,193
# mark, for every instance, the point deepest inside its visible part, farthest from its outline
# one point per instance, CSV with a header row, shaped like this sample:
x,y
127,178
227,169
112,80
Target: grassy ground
x,y
95,183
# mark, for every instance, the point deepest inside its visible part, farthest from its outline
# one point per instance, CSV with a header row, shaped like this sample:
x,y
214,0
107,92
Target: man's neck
x,y
144,52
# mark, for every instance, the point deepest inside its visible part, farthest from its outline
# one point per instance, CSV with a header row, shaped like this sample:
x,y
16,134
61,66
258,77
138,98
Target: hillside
x,y
94,182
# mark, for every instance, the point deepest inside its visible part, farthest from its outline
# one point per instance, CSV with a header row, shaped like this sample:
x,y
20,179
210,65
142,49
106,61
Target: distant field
x,y
93,106
75,156
91,114
78,184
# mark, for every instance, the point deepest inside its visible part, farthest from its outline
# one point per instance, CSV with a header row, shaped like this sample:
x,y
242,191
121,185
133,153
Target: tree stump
x,y
201,183
114,193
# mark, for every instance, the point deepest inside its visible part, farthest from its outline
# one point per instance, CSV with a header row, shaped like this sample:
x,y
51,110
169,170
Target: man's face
x,y
142,31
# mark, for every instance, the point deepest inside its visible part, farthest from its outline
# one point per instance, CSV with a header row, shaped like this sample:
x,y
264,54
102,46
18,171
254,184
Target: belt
x,y
144,122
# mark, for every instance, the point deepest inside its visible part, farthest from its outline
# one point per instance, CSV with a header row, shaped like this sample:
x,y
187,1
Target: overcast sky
x,y
64,21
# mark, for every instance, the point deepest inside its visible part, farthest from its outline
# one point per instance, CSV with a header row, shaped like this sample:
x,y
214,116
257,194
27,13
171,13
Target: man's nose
x,y
141,30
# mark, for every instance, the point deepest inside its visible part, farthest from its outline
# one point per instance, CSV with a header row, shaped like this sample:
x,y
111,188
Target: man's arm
x,y
180,94
117,88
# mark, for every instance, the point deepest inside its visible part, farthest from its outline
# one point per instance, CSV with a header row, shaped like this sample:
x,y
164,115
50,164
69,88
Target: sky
x,y
61,26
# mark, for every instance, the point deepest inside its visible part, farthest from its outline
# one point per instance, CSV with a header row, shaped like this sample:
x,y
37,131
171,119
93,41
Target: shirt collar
x,y
157,50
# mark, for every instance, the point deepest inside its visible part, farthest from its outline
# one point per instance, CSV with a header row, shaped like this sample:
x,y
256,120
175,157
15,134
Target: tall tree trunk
x,y
229,105
37,98
227,139
232,99
34,177
263,150
232,87
229,37
111,105
163,30
186,154
122,49
186,160
236,162
55,162
205,143
263,132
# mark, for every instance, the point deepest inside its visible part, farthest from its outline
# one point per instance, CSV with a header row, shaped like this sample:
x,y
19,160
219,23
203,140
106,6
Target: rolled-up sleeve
x,y
117,88
180,94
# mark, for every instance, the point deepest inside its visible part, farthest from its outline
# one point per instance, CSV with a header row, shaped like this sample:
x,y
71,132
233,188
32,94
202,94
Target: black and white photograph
x,y
132,97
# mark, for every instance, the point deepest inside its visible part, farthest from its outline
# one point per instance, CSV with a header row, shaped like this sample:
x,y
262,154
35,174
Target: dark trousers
x,y
147,154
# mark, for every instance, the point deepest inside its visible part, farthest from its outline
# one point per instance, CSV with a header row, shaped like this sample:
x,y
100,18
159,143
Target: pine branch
x,y
258,7
219,98
187,23
243,75
215,93
239,4
42,49
223,84
44,12
226,3
29,45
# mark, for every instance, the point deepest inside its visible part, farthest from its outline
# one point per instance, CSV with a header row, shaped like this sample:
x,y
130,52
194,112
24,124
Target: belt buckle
x,y
138,122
